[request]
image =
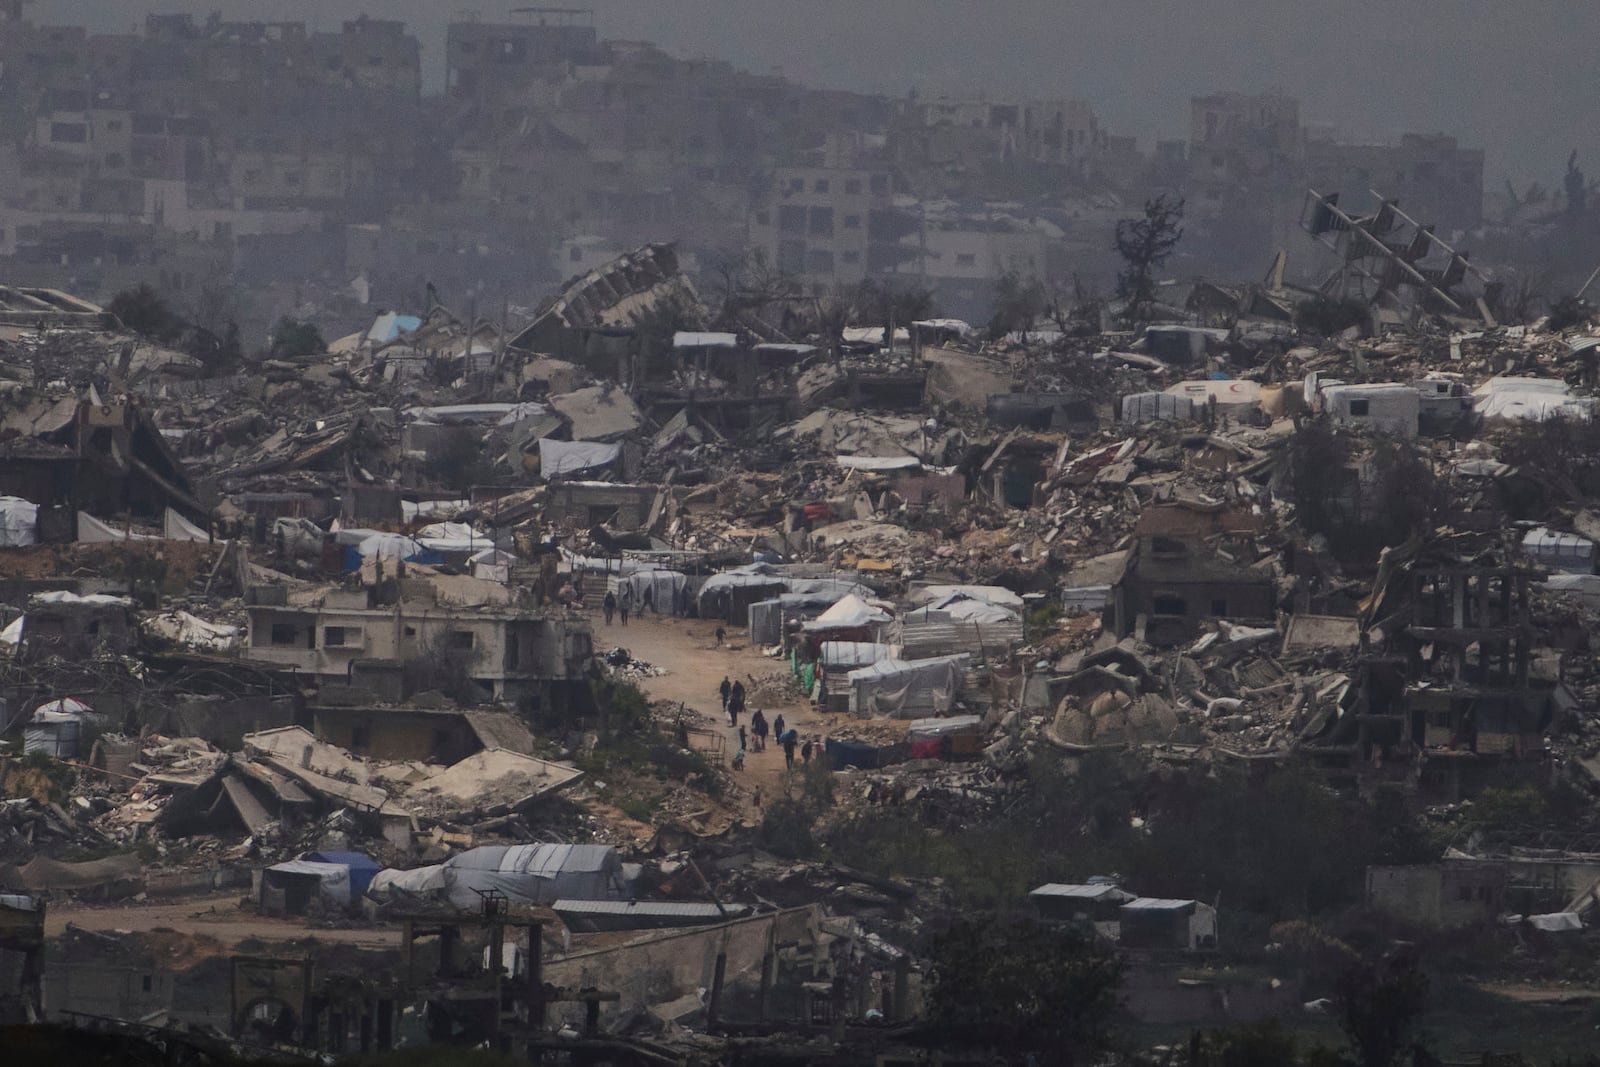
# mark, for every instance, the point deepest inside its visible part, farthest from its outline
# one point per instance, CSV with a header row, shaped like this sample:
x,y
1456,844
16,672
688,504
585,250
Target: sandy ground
x,y
687,649
217,916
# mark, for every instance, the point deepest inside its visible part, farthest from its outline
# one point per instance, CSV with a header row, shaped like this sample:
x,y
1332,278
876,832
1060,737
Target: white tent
x,y
19,520
177,528
907,689
331,881
850,613
526,874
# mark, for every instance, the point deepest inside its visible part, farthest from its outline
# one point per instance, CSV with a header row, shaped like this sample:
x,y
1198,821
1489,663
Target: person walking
x,y
609,606
725,688
758,726
742,739
735,703
625,605
789,740
805,752
777,725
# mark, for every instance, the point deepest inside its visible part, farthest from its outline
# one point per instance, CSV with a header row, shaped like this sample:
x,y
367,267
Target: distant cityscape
x,y
276,170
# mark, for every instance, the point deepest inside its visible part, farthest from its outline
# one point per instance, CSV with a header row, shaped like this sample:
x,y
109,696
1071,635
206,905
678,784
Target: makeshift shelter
x,y
850,655
1535,399
361,866
19,522
56,728
525,874
906,689
1567,552
664,586
850,613
289,888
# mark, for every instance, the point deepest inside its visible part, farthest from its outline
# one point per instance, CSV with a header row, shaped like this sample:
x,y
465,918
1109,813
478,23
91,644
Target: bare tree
x,y
1145,244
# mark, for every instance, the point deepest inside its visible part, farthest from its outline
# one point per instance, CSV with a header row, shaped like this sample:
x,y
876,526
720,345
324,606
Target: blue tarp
x,y
843,754
362,868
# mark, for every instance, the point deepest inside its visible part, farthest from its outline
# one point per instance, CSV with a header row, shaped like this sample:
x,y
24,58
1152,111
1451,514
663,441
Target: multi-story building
x,y
489,62
1436,181
827,227
510,652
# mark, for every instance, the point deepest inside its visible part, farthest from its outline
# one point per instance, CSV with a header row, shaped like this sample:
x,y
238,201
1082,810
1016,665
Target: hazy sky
x,y
1514,78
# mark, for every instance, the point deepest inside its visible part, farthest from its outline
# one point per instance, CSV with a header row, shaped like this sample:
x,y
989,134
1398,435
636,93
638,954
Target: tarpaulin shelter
x,y
55,728
525,874
850,655
906,689
557,458
289,888
361,866
663,585
19,522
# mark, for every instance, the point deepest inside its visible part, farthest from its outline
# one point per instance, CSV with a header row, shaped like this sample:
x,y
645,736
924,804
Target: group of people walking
x,y
733,704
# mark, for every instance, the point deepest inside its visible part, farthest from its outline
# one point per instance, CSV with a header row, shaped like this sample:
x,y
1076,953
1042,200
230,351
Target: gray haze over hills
x,y
1507,77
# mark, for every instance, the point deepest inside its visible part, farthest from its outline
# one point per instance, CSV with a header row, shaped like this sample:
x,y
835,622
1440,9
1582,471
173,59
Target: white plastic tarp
x,y
188,630
450,531
62,596
850,613
333,879
927,729
1557,922
388,546
526,874
662,585
92,531
1535,399
177,528
851,655
935,595
904,689
19,522
573,457
12,634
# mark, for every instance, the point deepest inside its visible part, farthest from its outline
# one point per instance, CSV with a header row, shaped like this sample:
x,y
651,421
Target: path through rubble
x,y
687,650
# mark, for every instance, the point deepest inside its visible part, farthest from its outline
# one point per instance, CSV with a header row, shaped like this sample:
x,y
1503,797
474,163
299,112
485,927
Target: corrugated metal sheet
x,y
944,636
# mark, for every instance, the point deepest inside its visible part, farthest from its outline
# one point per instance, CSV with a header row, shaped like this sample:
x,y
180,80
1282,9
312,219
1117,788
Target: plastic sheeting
x,y
852,655
182,628
177,528
1156,407
389,546
664,587
850,613
19,522
94,532
1534,399
526,874
12,634
333,879
573,457
905,689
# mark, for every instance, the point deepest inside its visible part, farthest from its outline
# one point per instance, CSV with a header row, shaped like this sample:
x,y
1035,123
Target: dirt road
x,y
217,916
687,649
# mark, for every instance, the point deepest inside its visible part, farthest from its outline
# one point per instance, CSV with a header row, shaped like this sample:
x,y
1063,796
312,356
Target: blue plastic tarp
x,y
362,867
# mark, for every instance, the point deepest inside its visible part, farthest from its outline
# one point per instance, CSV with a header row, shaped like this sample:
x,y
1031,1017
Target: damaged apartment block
x,y
1443,688
405,635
